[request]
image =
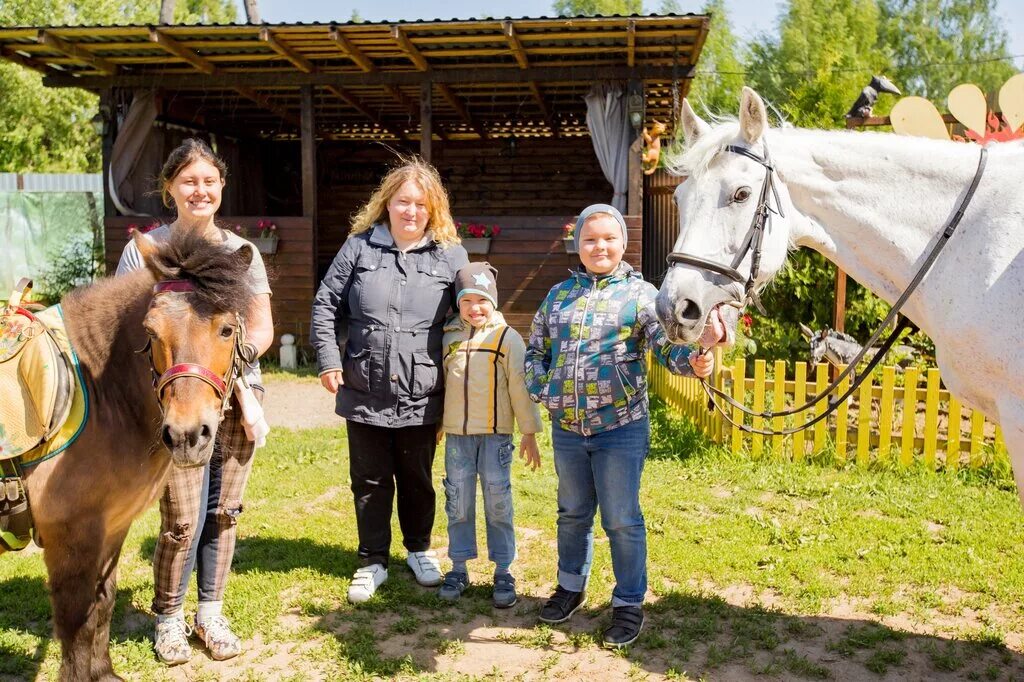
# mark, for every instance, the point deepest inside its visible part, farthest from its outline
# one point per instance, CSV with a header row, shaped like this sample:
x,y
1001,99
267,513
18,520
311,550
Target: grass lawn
x,y
765,569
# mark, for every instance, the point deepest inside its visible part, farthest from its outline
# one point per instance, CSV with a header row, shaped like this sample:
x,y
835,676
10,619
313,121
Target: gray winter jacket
x,y
394,305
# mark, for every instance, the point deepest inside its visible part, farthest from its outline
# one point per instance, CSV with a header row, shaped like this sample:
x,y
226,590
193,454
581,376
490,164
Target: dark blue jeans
x,y
202,555
602,470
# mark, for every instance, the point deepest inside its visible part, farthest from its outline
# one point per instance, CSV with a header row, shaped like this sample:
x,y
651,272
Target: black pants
x,y
379,458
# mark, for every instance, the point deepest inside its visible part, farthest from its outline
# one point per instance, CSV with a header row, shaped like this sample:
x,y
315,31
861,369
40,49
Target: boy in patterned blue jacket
x,y
586,363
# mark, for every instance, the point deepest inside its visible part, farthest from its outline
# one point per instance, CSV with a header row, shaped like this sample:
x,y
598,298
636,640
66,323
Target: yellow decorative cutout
x,y
917,116
967,103
1011,101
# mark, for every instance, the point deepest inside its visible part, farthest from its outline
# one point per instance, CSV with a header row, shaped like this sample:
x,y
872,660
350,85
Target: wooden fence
x,y
875,424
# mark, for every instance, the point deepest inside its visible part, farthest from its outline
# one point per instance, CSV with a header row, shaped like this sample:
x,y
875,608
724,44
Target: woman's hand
x,y
529,451
703,363
332,380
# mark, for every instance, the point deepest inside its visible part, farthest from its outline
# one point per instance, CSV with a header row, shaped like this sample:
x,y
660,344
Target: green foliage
x,y
591,8
49,130
935,45
719,80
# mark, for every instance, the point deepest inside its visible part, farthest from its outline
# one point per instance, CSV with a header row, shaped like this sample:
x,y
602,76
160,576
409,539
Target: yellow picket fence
x,y
874,424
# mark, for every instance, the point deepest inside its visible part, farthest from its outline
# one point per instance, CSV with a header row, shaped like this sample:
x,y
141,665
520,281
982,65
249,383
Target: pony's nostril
x,y
165,436
204,433
687,311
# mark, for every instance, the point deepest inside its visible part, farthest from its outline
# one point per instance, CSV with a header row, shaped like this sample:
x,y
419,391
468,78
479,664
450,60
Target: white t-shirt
x,y
131,260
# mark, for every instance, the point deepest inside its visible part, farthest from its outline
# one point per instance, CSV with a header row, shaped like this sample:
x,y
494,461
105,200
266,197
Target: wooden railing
x,y
875,424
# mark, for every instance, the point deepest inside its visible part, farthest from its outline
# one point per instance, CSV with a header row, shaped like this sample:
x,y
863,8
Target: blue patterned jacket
x,y
586,359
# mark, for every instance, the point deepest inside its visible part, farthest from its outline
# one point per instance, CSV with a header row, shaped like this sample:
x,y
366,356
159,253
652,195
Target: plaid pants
x,y
197,526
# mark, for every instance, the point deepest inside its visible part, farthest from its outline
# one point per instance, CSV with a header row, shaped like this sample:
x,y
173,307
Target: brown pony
x,y
84,500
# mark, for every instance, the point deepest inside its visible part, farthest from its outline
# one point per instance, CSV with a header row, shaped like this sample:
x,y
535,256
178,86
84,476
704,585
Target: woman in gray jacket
x,y
391,286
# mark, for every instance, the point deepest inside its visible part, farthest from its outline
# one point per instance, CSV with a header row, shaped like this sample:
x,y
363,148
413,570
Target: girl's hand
x,y
332,380
529,451
703,363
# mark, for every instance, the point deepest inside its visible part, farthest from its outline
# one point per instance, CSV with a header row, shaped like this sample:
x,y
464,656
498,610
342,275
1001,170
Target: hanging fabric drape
x,y
132,134
611,134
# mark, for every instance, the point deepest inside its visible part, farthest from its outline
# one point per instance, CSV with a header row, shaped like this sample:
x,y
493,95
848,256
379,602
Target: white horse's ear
x,y
693,125
753,116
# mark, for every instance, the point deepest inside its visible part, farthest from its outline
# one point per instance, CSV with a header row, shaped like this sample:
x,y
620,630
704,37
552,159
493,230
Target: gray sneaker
x,y
453,586
504,595
171,641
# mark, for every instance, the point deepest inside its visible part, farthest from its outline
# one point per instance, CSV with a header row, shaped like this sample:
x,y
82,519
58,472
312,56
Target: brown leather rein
x,y
222,386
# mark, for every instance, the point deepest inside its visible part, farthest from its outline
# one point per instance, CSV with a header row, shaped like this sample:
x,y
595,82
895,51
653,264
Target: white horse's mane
x,y
695,159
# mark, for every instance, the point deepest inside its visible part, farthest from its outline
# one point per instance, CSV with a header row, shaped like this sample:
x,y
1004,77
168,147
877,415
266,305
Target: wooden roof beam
x,y
353,101
461,110
631,43
76,52
300,62
545,110
11,54
352,52
406,46
264,102
177,49
514,44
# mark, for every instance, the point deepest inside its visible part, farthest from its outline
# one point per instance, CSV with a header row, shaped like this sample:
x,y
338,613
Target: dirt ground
x,y
299,404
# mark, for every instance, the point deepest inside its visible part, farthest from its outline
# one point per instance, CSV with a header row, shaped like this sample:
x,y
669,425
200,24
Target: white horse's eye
x,y
741,194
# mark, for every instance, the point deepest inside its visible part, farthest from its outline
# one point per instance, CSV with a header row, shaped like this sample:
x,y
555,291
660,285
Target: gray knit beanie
x,y
477,278
599,208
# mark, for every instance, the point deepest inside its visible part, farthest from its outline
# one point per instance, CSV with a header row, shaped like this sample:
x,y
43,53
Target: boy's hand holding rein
x,y
702,362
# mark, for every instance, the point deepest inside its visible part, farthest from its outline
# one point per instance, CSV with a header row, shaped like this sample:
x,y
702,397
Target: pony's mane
x,y
220,275
694,159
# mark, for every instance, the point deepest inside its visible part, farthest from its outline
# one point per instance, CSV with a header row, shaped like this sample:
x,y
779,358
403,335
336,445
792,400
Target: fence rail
x,y
874,424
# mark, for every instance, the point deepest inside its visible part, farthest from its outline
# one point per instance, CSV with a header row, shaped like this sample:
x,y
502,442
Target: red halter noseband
x,y
222,386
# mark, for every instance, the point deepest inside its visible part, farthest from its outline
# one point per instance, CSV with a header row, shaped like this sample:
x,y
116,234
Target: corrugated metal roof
x,y
52,182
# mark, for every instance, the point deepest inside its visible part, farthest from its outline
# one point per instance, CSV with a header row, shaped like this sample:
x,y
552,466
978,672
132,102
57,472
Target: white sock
x,y
164,618
208,610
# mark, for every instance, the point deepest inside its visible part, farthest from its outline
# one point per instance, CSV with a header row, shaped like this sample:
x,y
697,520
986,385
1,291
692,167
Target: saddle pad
x,y
36,381
78,411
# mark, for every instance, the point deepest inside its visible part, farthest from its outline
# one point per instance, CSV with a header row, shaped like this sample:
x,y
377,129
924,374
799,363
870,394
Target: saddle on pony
x,y
37,397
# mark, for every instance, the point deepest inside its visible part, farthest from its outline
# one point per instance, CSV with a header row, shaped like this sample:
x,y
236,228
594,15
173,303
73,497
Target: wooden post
x,y
107,148
426,119
634,198
839,311
308,147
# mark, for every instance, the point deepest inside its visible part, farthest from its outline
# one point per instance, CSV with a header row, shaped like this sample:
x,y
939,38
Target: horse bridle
x,y
752,243
222,386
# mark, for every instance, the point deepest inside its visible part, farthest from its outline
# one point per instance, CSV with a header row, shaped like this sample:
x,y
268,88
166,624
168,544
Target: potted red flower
x,y
267,240
569,236
476,237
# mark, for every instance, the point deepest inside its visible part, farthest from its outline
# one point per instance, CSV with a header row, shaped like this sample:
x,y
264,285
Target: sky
x,y
749,17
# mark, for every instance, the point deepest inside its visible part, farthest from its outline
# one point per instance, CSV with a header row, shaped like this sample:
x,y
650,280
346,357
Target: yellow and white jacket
x,y
485,380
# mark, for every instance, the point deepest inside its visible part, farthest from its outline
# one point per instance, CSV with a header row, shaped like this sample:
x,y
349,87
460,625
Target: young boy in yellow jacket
x,y
485,390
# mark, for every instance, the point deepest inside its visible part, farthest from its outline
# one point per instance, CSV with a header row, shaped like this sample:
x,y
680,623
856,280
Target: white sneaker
x,y
171,645
425,567
219,639
365,582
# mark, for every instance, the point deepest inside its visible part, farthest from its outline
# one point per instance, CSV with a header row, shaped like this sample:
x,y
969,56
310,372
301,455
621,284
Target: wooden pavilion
x,y
309,117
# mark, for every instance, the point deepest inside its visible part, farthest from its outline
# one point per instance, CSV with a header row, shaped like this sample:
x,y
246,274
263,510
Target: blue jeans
x,y
602,469
202,555
490,457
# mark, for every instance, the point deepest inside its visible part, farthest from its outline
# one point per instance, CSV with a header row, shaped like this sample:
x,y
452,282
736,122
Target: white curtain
x,y
131,141
611,135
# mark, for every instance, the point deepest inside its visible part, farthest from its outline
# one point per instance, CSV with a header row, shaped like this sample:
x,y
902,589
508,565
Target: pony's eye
x,y
741,194
226,331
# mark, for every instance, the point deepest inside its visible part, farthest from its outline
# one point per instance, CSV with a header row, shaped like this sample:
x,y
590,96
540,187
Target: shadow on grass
x,y
404,631
281,555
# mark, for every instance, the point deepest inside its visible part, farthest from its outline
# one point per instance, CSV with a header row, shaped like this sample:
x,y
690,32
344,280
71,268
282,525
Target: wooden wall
x,y
290,269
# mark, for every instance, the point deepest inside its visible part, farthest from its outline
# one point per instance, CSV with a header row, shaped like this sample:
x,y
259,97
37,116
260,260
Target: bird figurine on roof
x,y
869,95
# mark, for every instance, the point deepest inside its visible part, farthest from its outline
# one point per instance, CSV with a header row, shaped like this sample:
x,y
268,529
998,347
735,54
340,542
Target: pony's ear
x,y
693,125
245,255
806,331
148,252
753,116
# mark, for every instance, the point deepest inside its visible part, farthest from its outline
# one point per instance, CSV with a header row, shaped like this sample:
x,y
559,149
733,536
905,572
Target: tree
x,y
937,44
49,130
592,8
719,80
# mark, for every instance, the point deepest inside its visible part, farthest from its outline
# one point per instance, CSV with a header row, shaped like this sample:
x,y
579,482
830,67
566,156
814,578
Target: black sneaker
x,y
561,605
627,622
504,595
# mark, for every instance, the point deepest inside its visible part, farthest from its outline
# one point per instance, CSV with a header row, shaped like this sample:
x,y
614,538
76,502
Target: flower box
x,y
266,245
477,245
570,244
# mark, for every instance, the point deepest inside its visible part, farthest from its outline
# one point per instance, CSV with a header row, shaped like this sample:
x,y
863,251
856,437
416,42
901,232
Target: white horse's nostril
x,y
687,311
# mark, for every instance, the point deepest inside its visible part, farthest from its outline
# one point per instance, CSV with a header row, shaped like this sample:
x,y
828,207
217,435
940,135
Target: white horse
x,y
874,204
